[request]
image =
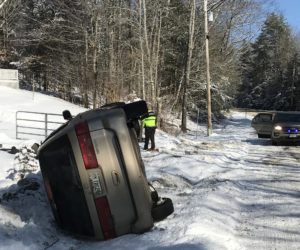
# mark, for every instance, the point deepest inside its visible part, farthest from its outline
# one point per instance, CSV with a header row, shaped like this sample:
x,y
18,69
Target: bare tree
x,y
188,63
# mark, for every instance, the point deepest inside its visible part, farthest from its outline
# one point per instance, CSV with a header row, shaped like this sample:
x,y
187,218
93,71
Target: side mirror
x,y
67,115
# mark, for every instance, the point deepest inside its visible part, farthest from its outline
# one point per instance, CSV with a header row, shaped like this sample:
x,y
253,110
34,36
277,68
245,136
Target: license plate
x,y
96,184
293,136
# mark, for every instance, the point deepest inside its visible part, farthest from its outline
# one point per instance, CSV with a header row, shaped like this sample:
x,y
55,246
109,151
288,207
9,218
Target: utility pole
x,y
209,123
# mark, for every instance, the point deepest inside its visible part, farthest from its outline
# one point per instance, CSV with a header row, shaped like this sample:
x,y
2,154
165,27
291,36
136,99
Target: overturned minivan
x,y
95,177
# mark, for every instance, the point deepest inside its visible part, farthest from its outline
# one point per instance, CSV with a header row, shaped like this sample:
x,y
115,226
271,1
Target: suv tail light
x,y
105,217
86,145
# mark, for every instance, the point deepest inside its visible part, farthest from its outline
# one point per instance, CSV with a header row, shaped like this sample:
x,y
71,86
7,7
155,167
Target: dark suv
x,y
94,175
286,127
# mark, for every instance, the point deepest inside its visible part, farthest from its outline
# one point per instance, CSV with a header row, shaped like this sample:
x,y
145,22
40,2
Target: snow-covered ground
x,y
230,191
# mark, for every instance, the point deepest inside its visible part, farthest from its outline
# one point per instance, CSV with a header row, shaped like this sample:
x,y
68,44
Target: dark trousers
x,y
149,135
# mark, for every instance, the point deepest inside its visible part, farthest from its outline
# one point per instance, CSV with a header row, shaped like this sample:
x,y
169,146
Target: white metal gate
x,y
36,124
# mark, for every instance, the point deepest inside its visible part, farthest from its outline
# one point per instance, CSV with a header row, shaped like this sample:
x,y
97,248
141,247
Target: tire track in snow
x,y
270,203
206,195
248,199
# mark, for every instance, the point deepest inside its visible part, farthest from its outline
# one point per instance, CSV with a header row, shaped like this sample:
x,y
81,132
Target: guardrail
x,y
36,124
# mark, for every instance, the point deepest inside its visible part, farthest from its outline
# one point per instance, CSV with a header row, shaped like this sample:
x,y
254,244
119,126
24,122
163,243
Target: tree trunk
x,y
149,56
95,55
157,84
142,52
188,64
45,86
178,92
85,88
293,86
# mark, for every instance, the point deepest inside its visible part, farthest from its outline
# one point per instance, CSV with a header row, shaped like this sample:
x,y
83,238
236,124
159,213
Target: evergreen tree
x,y
264,67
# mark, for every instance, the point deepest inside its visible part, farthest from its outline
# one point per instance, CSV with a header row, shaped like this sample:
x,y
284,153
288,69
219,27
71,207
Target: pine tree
x,y
265,66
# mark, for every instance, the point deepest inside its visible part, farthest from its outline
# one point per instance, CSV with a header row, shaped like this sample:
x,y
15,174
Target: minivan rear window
x,y
59,165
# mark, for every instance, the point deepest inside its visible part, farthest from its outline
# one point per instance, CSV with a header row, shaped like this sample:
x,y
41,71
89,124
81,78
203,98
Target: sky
x,y
291,9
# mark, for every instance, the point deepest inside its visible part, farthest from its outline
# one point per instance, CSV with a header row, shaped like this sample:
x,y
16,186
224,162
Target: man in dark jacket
x,y
149,123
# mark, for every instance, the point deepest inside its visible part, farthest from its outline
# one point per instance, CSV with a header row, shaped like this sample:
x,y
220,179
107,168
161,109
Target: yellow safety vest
x,y
149,121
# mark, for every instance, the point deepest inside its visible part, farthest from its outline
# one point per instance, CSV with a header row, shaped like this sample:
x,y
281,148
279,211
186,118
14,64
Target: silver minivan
x,y
95,177
263,124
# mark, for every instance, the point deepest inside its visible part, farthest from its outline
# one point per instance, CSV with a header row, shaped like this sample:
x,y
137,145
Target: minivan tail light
x,y
82,128
49,193
105,217
86,145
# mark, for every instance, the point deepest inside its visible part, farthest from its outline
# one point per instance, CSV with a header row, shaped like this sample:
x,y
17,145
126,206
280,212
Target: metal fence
x,y
36,124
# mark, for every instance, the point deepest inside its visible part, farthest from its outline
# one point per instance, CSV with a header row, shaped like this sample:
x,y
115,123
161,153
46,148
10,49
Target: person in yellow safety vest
x,y
149,123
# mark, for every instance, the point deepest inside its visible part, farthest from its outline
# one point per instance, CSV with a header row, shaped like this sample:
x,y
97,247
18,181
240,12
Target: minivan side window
x,y
265,117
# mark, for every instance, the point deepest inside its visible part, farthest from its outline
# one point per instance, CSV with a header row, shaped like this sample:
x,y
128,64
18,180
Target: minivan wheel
x,y
162,209
154,194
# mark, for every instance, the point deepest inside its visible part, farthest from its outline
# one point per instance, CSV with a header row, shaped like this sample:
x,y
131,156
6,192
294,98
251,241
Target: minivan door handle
x,y
116,177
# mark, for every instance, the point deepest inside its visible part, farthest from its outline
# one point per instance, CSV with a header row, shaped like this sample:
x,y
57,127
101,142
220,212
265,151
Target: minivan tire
x,y
260,135
263,136
162,209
